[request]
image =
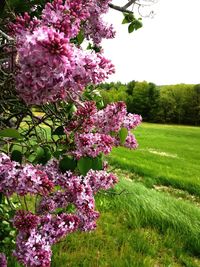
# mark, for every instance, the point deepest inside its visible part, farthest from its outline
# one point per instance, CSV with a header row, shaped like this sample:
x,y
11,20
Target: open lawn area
x,y
167,155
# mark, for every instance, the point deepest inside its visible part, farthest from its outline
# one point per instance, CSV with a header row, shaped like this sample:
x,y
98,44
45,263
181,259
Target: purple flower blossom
x,y
3,261
25,221
131,121
92,144
100,180
34,181
131,142
55,227
111,118
33,249
8,172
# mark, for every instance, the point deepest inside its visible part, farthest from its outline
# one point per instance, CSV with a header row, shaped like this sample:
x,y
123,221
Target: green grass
x,y
139,227
167,155
142,223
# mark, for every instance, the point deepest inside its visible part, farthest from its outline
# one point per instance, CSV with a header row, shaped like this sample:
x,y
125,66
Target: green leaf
x,y
122,135
47,156
58,153
128,17
131,27
17,156
39,152
138,25
59,131
9,132
43,155
73,109
67,164
86,163
124,21
80,37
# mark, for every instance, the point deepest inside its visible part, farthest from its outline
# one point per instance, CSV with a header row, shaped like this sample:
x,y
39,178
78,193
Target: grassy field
x,y
152,217
168,155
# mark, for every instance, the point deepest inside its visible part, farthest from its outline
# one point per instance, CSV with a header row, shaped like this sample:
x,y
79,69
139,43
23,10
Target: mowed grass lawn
x,y
167,154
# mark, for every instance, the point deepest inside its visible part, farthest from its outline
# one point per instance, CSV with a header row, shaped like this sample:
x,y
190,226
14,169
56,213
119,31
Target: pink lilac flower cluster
x,y
111,118
66,17
100,180
8,172
95,28
92,144
25,221
32,250
15,178
76,190
50,67
83,119
3,260
38,233
97,131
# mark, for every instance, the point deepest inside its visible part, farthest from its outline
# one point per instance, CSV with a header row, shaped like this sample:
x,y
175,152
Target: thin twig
x,y
121,9
6,36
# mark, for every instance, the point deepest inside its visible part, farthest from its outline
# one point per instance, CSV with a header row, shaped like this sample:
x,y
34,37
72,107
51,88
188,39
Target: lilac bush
x,y
53,152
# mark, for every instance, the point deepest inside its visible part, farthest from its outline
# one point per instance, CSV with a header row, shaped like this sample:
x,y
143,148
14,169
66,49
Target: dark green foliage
x,y
179,104
19,7
87,163
134,24
67,163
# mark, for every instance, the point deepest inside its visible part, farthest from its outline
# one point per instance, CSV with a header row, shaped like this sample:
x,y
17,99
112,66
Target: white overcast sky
x,y
165,51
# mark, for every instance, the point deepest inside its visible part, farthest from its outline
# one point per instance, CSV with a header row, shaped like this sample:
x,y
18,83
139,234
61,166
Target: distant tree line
x,y
179,104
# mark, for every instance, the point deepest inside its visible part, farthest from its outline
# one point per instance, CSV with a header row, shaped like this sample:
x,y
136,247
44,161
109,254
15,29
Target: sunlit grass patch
x,y
169,155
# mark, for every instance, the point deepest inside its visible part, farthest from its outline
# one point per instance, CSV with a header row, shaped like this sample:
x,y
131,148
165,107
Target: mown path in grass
x,y
140,226
167,154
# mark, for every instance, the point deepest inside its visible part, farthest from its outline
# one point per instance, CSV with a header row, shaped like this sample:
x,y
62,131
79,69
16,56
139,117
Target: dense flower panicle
x,y
131,121
92,144
83,120
8,172
111,118
101,180
131,142
52,69
3,260
34,181
33,249
66,17
83,199
42,69
95,28
22,25
55,227
25,221
15,178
